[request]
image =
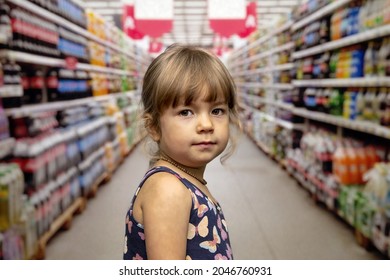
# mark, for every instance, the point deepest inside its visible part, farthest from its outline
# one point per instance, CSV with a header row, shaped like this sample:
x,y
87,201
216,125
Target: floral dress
x,y
207,238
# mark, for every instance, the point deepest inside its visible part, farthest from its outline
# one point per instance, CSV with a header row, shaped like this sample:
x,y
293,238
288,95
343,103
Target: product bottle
x,y
387,111
36,86
369,60
372,157
382,106
368,111
52,85
5,25
353,166
360,104
362,163
340,162
347,104
362,16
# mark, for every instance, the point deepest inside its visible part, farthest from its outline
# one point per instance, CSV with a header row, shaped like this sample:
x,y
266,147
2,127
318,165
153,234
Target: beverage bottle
x,y
368,111
343,171
371,156
362,163
12,80
376,107
333,64
353,165
362,16
52,85
369,60
5,25
360,104
382,54
347,104
382,106
37,83
387,110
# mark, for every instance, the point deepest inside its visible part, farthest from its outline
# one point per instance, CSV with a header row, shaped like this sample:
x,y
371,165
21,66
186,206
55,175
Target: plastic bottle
x,y
362,163
369,60
353,166
368,111
383,57
5,24
360,103
387,110
382,106
362,16
372,157
340,164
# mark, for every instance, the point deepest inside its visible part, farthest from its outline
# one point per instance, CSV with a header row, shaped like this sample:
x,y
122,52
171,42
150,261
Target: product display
x,y
55,155
313,94
318,105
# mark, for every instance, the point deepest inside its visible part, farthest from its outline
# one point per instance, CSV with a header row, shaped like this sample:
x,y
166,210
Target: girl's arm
x,y
166,207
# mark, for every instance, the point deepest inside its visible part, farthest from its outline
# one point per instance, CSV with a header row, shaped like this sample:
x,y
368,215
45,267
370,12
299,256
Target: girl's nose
x,y
205,123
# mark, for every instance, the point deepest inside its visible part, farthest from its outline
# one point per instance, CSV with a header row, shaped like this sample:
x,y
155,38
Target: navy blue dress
x,y
207,238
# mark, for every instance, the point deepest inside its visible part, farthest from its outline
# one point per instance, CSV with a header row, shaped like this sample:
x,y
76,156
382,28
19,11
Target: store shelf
x,y
63,221
56,62
265,54
362,126
281,67
347,41
278,104
261,85
320,13
61,105
280,122
353,82
65,23
262,40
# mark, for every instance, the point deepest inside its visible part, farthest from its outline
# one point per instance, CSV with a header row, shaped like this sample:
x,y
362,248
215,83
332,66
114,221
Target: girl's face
x,y
194,135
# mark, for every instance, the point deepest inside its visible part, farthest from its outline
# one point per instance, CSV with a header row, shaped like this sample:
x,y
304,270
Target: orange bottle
x,y
340,165
362,163
353,165
371,156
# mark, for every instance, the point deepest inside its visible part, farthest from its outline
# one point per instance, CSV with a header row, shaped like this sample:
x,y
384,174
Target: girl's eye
x,y
218,111
185,113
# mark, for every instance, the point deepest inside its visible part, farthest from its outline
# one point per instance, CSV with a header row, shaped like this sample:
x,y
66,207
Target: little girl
x,y
189,102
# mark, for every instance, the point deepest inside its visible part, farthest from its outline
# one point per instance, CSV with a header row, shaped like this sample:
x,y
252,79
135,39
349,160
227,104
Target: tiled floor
x,y
269,215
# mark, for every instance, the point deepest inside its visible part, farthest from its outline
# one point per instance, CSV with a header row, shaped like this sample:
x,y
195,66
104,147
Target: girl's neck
x,y
196,173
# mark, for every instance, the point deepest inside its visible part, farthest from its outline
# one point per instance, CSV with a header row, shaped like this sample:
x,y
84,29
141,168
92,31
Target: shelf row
x,y
65,23
57,62
280,67
29,109
362,126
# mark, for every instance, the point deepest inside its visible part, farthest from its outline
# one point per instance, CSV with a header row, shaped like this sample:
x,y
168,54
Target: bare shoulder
x,y
163,186
166,207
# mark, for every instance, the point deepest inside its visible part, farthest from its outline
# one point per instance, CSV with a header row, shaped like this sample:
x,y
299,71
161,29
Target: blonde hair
x,y
181,74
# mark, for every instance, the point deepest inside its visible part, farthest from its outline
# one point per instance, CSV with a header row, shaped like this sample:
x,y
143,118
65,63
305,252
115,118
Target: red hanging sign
x,y
129,24
250,20
154,18
227,17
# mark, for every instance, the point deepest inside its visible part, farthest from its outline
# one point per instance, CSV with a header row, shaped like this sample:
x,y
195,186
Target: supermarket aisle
x,y
269,215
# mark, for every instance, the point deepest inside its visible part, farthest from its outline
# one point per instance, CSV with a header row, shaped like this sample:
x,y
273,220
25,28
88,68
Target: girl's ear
x,y
151,128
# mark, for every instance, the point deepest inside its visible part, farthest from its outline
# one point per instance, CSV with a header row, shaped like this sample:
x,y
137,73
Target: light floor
x,y
269,215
